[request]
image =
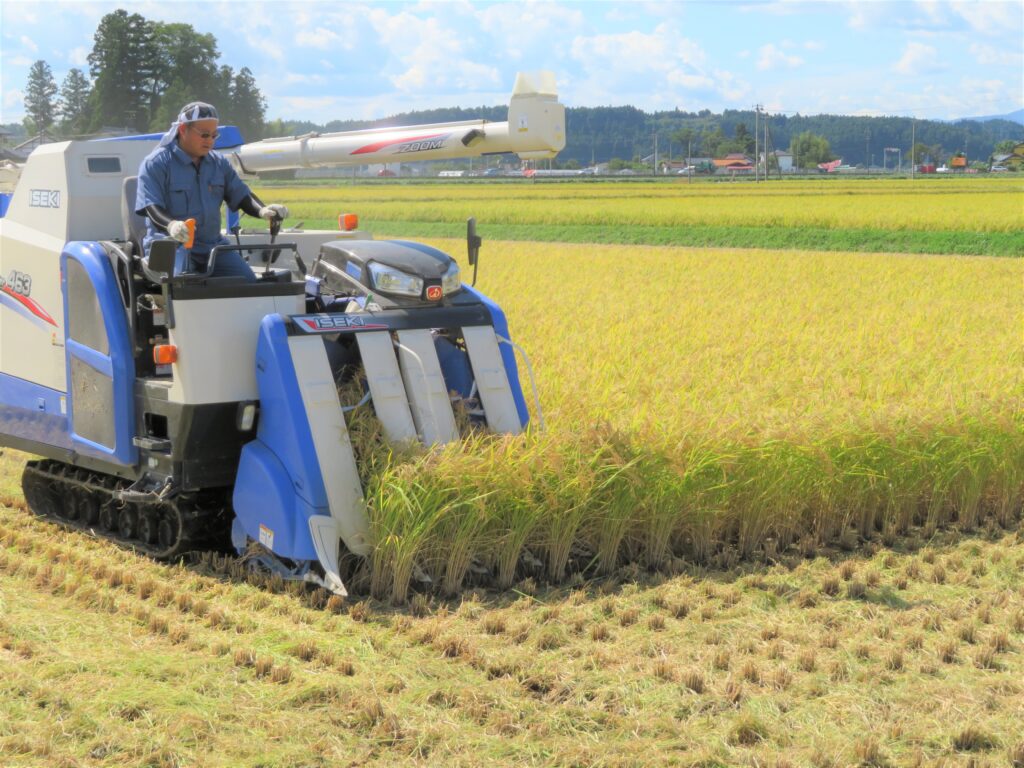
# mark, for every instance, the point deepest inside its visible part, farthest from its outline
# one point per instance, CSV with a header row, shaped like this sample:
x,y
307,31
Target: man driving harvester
x,y
185,179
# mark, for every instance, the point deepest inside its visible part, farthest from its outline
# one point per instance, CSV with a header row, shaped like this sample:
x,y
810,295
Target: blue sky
x,y
338,60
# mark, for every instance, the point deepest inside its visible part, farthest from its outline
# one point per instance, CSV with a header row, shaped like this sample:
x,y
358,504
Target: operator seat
x,y
135,227
134,224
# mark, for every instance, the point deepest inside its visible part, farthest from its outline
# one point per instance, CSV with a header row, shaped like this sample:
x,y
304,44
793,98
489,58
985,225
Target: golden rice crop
x,y
711,403
982,205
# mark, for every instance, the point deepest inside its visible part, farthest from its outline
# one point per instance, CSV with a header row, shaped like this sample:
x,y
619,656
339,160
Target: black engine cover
x,y
354,256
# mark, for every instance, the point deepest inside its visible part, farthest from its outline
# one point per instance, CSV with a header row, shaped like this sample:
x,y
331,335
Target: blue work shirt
x,y
169,178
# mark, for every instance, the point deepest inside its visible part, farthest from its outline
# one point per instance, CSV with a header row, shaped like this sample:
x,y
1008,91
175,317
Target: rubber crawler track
x,y
163,529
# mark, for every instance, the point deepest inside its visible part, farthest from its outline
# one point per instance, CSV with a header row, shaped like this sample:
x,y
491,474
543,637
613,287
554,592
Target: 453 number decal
x,y
17,282
14,294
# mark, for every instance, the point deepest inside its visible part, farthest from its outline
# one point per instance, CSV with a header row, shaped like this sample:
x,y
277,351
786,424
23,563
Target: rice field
x,y
715,404
722,405
775,519
975,205
971,216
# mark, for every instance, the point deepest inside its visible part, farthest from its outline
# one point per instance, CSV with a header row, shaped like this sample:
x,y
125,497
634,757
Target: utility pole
x,y
913,128
867,143
765,123
655,154
757,113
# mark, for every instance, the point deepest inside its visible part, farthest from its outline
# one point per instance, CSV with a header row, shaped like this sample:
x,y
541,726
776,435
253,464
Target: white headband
x,y
197,110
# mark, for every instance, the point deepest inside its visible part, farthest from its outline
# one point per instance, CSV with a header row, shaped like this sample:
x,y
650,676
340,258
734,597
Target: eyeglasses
x,y
206,134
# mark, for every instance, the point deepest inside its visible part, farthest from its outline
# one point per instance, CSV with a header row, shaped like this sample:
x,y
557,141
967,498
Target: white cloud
x,y
782,8
652,70
293,78
14,98
995,18
78,57
771,58
992,18
21,61
20,14
989,56
532,19
432,54
324,39
29,44
13,106
918,59
814,45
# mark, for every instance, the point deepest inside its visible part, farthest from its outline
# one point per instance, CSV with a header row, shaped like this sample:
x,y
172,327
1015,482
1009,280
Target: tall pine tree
x,y
39,95
248,107
185,65
74,103
122,64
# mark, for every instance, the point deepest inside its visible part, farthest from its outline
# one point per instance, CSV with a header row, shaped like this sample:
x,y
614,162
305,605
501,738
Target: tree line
x,y
624,135
140,74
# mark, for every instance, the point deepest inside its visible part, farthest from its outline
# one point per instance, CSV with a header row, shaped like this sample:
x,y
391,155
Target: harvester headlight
x,y
391,280
452,280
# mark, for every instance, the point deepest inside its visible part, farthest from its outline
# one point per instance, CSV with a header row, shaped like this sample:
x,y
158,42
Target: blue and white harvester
x,y
179,412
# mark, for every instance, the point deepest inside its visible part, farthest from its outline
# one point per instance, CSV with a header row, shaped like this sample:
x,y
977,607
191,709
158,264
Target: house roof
x,y
733,161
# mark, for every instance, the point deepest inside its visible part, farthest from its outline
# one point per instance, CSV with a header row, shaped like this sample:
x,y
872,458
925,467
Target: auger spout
x,y
535,129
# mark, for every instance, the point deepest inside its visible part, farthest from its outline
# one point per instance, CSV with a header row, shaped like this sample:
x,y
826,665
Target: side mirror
x,y
473,243
161,256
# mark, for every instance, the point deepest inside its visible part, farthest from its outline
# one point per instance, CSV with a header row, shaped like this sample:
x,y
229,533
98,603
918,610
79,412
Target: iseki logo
x,y
44,198
328,323
433,292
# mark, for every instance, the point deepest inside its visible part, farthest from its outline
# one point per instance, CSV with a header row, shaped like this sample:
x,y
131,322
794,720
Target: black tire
x,y
148,524
127,522
108,516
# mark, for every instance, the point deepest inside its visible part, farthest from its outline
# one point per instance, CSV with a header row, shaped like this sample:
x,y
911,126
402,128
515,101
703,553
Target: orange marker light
x,y
348,221
191,224
165,354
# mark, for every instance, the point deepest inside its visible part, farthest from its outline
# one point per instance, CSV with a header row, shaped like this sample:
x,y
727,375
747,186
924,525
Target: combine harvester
x,y
174,411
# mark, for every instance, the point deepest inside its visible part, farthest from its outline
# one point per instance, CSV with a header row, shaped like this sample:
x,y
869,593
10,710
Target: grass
x,y
575,674
724,236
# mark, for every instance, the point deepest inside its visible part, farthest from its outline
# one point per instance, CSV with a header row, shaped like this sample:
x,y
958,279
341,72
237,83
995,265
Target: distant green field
x,y
968,216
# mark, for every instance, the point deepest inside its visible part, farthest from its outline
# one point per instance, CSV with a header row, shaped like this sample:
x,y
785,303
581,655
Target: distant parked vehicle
x,y
384,172
492,172
626,172
998,169
451,174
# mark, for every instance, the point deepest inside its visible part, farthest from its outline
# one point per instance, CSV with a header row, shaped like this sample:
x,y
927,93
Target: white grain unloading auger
x,y
173,409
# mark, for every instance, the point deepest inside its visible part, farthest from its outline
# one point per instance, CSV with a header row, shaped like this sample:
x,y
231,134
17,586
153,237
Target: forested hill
x,y
600,133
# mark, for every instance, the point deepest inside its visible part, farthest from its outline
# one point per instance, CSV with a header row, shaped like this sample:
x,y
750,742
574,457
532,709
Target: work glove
x,y
274,211
178,230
